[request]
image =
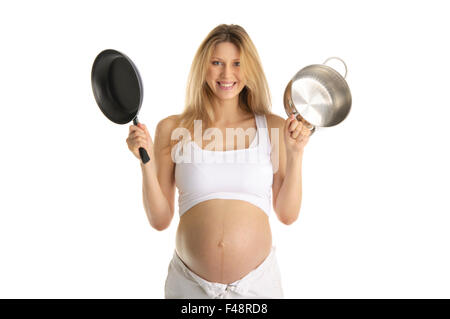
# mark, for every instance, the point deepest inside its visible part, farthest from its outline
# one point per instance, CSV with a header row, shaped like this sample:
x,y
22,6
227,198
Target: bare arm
x,y
158,181
287,178
289,197
156,205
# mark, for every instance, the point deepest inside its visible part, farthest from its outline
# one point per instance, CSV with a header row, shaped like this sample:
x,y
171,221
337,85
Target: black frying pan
x,y
118,89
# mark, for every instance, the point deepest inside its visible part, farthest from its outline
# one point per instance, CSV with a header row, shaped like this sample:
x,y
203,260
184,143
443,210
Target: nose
x,y
227,71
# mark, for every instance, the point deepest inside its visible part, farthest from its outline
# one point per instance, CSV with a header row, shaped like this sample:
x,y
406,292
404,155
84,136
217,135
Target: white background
x,y
374,221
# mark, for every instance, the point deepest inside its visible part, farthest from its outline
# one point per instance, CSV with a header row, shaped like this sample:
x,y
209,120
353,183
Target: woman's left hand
x,y
296,135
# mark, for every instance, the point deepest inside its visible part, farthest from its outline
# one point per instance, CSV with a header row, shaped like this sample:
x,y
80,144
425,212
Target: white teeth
x,y
226,85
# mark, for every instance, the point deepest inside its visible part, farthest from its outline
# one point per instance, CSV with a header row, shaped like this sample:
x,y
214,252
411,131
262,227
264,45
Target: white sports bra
x,y
243,174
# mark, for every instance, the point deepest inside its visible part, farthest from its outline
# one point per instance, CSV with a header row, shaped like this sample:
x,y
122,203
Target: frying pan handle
x,y
336,58
299,118
142,152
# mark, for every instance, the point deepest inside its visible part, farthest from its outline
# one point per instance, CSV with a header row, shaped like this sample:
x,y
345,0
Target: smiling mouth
x,y
226,86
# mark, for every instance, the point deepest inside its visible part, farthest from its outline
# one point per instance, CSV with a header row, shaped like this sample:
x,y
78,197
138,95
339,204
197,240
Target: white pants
x,y
262,282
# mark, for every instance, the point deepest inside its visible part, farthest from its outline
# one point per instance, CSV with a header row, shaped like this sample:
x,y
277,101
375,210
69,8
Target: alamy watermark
x,y
214,152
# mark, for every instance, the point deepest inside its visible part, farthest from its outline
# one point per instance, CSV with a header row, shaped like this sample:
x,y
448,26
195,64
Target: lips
x,y
226,85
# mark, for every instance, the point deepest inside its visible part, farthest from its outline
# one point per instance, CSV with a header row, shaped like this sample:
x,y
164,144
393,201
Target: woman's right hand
x,y
138,136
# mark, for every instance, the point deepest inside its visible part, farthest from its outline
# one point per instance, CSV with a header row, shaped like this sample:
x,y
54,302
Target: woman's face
x,y
223,75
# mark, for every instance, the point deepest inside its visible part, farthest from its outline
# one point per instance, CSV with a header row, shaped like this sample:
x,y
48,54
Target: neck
x,y
228,111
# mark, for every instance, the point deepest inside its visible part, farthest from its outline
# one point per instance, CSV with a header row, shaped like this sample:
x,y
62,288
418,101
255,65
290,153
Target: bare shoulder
x,y
164,130
168,122
275,121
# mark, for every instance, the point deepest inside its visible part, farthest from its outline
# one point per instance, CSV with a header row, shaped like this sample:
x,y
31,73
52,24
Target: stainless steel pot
x,y
318,96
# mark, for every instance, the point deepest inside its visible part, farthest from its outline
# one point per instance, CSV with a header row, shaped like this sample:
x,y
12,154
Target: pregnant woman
x,y
226,190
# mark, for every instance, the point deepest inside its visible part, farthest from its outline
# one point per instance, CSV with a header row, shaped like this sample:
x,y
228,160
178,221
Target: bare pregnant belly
x,y
222,240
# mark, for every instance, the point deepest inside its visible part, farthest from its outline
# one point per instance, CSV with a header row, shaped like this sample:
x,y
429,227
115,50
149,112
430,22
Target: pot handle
x,y
299,118
336,58
142,152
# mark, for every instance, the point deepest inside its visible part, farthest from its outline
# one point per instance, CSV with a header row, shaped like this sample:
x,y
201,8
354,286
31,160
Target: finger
x,y
289,120
146,131
137,133
292,125
308,125
287,125
141,140
143,145
302,139
133,139
296,133
135,128
144,128
298,130
307,131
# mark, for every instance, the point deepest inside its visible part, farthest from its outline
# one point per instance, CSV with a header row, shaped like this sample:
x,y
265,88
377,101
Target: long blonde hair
x,y
254,97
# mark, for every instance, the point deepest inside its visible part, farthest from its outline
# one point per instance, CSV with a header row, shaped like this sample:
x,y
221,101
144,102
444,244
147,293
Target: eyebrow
x,y
221,59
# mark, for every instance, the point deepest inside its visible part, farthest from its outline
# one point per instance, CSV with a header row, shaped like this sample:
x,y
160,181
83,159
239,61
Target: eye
x,y
218,62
